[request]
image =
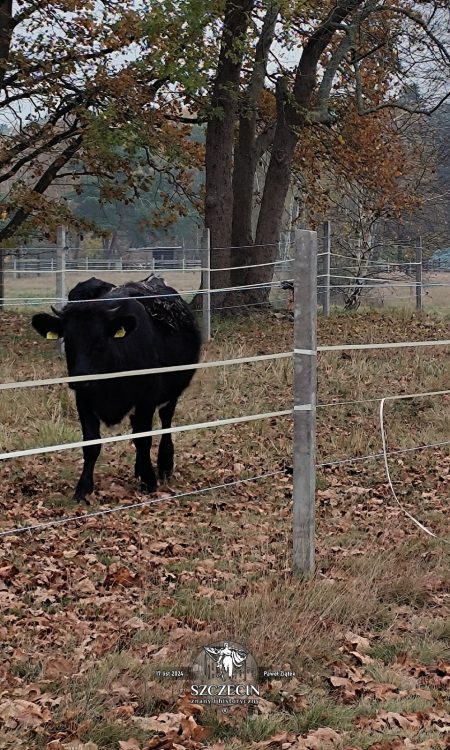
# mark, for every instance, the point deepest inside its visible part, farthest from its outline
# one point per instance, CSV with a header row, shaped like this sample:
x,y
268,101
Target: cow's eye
x,y
120,333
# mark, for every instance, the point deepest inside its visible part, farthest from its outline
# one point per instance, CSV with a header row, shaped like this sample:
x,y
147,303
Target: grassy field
x,y
90,610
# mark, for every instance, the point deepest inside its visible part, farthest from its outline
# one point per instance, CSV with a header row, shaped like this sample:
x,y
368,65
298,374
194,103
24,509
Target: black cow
x,y
124,330
91,289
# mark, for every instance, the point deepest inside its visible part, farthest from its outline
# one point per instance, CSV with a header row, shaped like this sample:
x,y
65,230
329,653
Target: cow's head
x,y
95,335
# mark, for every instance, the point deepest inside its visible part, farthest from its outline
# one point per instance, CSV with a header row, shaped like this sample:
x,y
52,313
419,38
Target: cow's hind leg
x,y
142,421
166,450
90,425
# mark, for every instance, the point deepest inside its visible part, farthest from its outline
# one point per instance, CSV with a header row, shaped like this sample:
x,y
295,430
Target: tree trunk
x,y
245,163
6,30
218,202
265,247
220,135
249,149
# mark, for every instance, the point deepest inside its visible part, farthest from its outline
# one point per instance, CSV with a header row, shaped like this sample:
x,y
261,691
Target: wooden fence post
x,y
419,275
60,274
326,265
206,284
60,266
2,277
305,315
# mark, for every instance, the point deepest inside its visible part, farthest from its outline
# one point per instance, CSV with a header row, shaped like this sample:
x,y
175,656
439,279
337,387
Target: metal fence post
x,y
326,268
419,275
305,315
206,284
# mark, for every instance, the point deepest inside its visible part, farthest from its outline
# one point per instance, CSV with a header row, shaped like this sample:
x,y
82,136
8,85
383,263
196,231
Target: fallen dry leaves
x,y
23,713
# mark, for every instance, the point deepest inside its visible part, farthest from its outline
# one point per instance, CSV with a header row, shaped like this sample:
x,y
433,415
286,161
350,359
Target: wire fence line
x,y
373,456
217,363
134,506
374,262
209,290
388,282
145,371
144,434
197,267
357,278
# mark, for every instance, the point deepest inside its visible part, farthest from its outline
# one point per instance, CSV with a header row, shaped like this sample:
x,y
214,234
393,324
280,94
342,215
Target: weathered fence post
x,y
206,284
419,275
2,277
305,315
21,262
60,266
326,265
60,273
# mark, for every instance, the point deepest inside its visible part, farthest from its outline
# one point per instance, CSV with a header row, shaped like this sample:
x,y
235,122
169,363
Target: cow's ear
x,y
122,326
49,326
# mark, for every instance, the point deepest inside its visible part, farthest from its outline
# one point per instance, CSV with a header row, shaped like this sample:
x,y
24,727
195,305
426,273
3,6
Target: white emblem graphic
x,y
226,658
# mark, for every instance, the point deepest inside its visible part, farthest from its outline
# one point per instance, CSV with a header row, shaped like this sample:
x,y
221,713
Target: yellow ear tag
x,y
52,336
120,333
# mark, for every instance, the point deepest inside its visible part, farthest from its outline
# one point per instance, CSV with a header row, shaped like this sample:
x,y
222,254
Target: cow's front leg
x,y
90,425
142,421
166,450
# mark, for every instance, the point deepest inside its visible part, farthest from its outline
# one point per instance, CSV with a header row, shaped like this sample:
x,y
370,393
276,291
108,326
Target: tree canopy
x,y
303,93
84,90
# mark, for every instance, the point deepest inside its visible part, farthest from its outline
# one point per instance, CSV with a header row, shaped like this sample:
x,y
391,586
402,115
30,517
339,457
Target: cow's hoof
x,y
164,474
80,497
83,488
148,484
149,487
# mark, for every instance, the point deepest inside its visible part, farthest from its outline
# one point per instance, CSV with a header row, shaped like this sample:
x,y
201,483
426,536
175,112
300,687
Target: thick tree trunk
x,y
220,134
218,202
249,149
6,30
245,163
265,249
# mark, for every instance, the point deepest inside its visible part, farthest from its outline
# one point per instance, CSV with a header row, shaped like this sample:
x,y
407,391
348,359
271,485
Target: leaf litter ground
x,y
91,609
